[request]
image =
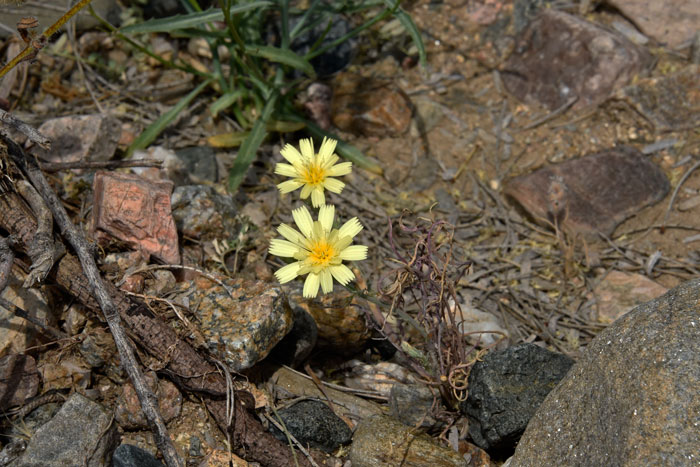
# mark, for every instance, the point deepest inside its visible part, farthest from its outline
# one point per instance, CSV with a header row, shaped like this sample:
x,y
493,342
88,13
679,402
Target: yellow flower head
x,y
319,250
312,171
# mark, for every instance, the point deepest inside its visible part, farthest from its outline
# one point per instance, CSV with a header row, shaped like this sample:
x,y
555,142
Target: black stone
x,y
505,390
128,455
297,345
313,423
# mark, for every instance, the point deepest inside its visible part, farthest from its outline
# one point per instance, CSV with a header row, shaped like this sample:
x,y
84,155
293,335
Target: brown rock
x,y
559,57
138,212
632,398
19,380
590,194
670,103
16,334
80,138
370,107
128,410
381,440
620,292
672,22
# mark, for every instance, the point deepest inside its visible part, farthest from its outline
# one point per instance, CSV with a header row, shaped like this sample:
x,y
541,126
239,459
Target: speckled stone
x,y
632,398
243,327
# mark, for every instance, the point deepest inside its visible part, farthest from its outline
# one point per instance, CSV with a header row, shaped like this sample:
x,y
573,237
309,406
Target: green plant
x,y
255,82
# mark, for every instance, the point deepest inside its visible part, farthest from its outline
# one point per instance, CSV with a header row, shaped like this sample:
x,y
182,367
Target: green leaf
x,y
250,146
191,20
151,133
225,101
411,28
284,56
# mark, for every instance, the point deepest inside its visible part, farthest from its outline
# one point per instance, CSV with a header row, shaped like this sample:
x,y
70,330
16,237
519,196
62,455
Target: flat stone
x,y
412,404
370,107
19,380
80,138
620,292
128,455
632,398
671,22
591,194
242,328
81,433
381,440
559,58
505,389
200,212
670,103
128,408
136,211
313,423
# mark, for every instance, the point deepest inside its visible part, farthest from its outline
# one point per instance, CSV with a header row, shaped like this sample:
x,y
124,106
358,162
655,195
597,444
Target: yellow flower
x,y
319,250
312,171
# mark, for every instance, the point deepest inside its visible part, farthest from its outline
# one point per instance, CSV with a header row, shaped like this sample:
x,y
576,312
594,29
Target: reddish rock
x,y
80,138
671,22
128,410
19,380
620,292
138,212
590,194
370,107
559,57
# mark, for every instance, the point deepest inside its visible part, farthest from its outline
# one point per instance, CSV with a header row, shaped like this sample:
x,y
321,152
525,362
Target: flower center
x,y
322,253
314,174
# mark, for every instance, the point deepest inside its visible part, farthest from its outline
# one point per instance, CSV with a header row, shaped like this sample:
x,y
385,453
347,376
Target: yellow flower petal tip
x,y
312,171
319,250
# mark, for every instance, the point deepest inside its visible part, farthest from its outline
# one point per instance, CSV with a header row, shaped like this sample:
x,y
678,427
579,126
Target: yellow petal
x,y
306,191
290,234
328,163
338,170
289,186
317,197
342,273
290,153
333,184
303,220
307,148
286,170
325,216
350,228
283,248
326,281
287,273
327,148
311,286
354,253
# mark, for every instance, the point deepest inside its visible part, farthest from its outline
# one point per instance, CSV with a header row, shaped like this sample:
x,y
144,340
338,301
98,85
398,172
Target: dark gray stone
x,y
505,389
81,433
296,346
412,404
128,455
632,399
313,423
200,212
335,59
199,163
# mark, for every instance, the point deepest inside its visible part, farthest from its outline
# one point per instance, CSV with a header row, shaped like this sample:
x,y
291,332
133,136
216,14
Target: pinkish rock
x,y
136,211
19,380
620,292
671,22
128,410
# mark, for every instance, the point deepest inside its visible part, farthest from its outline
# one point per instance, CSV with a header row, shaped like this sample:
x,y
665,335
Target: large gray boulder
x,y
632,399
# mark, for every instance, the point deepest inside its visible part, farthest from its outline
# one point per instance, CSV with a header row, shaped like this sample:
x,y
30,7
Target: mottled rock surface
x,y
632,398
200,212
19,380
81,433
620,292
672,22
505,389
313,423
560,59
381,440
128,455
242,322
128,411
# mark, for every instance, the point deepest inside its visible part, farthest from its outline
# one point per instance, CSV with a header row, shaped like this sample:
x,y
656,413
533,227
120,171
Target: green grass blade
x,y
151,133
225,101
191,20
411,28
250,146
284,56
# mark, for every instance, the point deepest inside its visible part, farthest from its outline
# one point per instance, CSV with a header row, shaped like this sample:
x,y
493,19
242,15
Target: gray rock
x,y
200,212
128,455
412,404
81,433
313,423
199,163
505,389
632,398
381,440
